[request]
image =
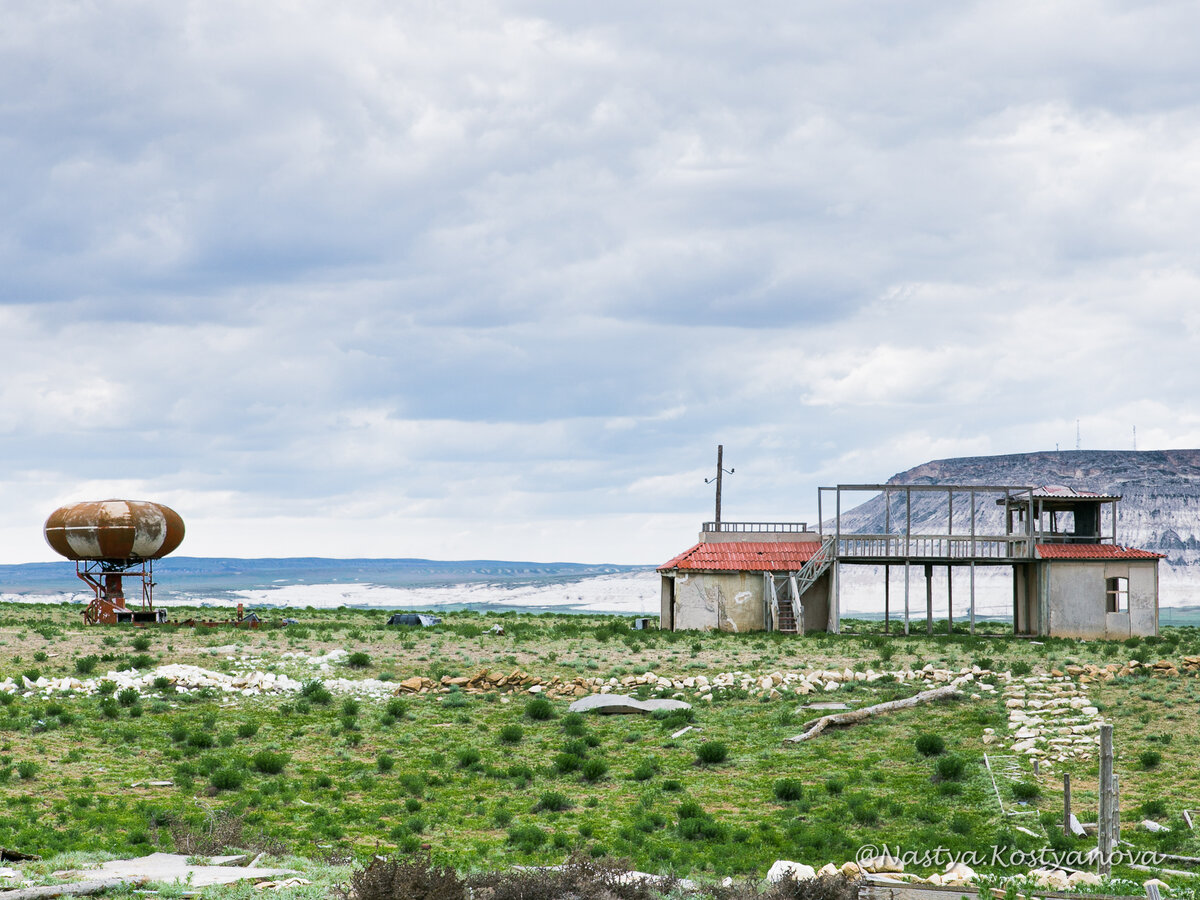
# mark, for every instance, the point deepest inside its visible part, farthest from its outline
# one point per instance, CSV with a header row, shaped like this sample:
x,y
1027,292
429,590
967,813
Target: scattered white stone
x,y
783,868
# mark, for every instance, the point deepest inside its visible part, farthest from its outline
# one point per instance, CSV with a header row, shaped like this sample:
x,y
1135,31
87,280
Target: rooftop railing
x,y
756,527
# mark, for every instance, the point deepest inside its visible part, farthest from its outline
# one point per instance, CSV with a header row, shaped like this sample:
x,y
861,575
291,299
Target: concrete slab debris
x,y
616,704
1076,828
173,867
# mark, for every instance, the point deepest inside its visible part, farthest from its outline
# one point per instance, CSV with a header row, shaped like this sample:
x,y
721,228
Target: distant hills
x,y
191,575
1160,490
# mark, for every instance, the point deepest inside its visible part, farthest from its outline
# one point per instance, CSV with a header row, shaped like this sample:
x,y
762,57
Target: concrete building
x,y
729,582
1070,577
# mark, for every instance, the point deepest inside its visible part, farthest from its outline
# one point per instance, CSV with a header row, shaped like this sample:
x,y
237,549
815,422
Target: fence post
x,y
1104,841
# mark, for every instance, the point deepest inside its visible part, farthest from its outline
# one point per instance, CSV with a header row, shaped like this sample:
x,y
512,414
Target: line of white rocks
x,y
187,679
1049,717
779,684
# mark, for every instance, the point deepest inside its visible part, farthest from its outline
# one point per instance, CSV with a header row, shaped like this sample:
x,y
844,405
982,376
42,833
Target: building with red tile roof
x,y
1070,577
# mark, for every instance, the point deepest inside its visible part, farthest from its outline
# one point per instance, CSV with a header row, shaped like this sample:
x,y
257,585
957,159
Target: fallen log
x,y
76,889
816,726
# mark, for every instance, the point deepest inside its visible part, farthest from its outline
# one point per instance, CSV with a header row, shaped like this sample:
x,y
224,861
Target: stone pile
x,y
1050,718
1061,880
485,681
956,874
1162,669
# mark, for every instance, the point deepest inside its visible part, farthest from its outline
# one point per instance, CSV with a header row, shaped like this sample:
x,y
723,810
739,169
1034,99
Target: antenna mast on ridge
x,y
1078,440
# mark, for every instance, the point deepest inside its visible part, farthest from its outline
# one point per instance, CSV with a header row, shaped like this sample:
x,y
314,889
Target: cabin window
x,y
1118,594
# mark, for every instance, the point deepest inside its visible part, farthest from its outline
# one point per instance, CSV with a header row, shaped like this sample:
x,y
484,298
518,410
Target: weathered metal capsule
x,y
114,530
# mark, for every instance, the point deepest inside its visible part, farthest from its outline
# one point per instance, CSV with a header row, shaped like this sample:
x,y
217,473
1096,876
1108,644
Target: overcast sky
x,y
464,280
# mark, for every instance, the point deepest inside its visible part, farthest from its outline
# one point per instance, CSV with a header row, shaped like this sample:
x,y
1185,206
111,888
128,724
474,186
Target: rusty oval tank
x,y
114,530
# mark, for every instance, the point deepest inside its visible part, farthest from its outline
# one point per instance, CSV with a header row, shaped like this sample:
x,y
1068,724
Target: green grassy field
x,y
489,780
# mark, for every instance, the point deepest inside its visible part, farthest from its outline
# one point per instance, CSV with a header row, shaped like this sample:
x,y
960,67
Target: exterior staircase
x,y
788,618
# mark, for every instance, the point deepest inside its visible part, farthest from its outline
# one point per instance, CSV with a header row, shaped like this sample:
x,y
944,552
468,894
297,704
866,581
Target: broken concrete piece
x,y
172,867
613,704
783,868
1152,826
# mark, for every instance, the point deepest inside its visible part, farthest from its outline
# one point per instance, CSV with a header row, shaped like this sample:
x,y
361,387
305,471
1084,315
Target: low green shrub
x,y
227,779
1154,809
930,744
1026,790
316,692
950,767
567,762
593,769
711,753
539,709
552,801
643,771
789,789
527,838
269,762
396,708
511,734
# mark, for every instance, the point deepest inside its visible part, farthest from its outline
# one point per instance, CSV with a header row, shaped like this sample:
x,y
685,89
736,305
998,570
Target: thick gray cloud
x,y
470,279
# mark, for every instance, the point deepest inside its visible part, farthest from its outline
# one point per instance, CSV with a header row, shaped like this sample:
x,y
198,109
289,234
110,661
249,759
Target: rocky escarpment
x,y
1160,490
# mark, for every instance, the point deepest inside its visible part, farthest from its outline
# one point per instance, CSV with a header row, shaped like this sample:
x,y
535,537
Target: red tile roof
x,y
1058,491
1093,551
744,556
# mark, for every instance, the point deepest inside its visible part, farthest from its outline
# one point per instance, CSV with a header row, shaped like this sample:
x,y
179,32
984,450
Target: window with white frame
x,y
1118,594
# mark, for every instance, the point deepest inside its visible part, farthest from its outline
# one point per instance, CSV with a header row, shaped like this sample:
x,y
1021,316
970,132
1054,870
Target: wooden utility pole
x,y
1104,819
720,471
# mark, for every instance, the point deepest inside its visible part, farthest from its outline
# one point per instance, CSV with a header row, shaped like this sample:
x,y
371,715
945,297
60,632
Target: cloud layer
x,y
491,280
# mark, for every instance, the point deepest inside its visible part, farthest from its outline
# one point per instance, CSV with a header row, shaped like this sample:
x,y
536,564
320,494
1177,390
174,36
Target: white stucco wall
x,y
1077,599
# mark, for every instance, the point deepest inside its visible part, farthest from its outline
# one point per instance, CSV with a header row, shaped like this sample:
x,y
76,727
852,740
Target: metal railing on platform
x,y
760,527
932,546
